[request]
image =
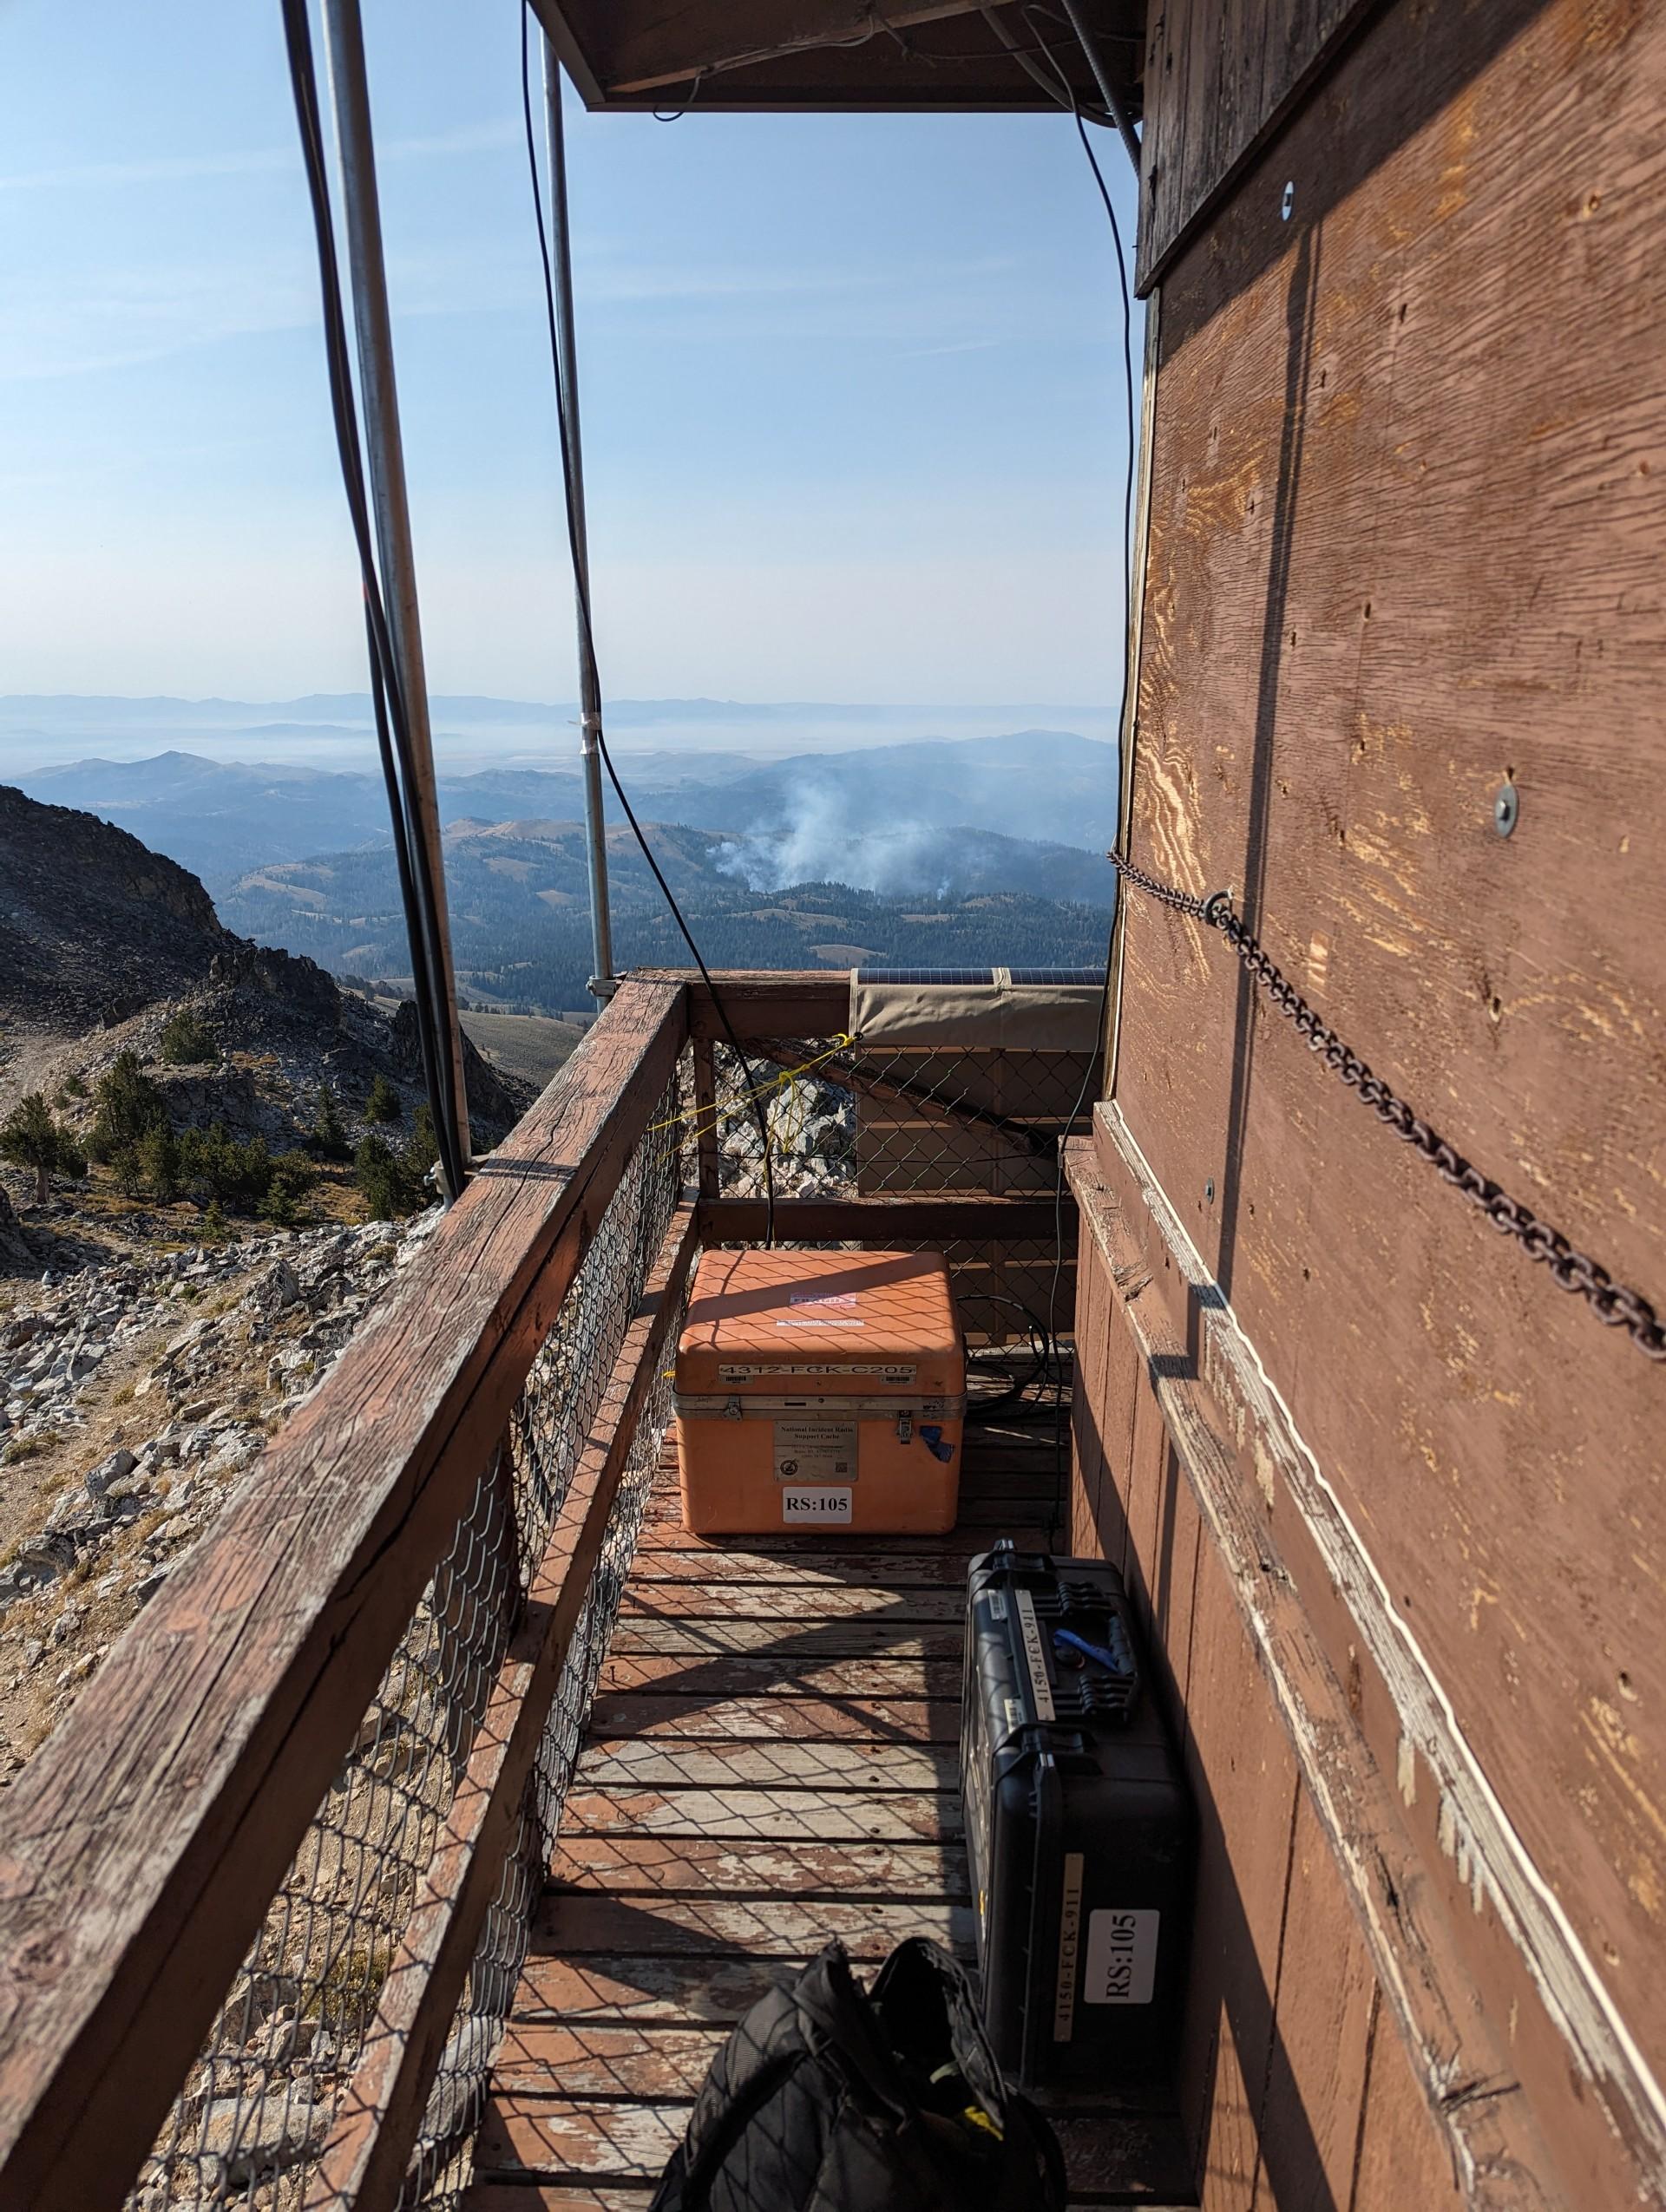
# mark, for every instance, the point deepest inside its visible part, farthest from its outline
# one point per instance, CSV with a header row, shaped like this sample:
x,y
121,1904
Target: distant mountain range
x,y
333,730
925,852
891,819
519,910
92,711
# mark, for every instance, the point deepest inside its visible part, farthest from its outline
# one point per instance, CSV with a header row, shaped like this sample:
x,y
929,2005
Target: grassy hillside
x,y
526,1044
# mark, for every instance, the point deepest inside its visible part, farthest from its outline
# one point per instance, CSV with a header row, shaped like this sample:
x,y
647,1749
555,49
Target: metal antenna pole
x,y
351,96
603,983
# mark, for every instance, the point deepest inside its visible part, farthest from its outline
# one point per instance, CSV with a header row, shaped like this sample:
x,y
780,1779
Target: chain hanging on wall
x,y
1613,1304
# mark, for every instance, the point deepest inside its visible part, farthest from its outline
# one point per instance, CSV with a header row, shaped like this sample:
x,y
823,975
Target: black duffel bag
x,y
829,2098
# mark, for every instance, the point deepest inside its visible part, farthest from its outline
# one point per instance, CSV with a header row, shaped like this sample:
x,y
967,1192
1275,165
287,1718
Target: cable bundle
x,y
417,888
587,637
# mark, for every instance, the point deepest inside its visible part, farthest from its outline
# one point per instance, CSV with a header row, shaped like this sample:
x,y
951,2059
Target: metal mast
x,y
603,982
349,95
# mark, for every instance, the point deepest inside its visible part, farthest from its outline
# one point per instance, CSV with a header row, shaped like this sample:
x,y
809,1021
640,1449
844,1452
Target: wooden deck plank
x,y
617,2062
779,1674
695,1719
623,1763
626,1866
628,1987
804,1640
772,1761
581,1926
579,2196
769,1815
563,2136
814,1602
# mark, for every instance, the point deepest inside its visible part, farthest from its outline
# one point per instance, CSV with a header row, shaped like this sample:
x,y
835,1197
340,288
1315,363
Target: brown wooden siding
x,y
1280,2075
1220,77
1407,510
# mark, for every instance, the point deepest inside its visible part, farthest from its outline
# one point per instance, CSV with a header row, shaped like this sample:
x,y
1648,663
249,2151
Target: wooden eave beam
x,y
667,48
832,53
571,54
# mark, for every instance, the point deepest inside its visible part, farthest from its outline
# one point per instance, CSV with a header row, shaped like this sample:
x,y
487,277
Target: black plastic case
x,y
1079,1827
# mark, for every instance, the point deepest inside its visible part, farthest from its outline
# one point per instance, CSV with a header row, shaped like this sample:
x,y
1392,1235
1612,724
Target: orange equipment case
x,y
821,1390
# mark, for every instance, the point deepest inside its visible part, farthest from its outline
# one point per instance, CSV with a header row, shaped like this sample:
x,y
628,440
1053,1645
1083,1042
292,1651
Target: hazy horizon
x,y
324,729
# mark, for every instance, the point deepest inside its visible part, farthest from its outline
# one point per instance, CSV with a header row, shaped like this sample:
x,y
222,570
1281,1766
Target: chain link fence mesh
x,y
251,2118
918,1121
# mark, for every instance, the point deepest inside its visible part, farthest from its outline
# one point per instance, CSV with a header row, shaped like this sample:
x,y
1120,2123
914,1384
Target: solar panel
x,y
1058,975
1053,976
925,975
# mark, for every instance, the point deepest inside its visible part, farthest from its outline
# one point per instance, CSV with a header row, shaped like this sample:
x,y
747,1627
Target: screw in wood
x,y
1506,808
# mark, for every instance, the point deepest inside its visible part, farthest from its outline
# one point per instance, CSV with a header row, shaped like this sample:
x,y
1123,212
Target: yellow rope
x,y
703,1119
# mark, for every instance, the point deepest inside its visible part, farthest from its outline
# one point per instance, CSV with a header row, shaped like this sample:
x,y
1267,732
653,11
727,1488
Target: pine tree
x,y
129,1105
159,1163
421,1146
188,1041
384,1103
329,1131
377,1172
32,1139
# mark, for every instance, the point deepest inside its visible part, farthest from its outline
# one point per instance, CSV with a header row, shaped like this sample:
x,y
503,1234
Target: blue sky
x,y
852,399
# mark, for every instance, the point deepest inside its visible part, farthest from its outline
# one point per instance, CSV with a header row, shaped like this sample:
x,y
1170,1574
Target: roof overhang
x,y
910,55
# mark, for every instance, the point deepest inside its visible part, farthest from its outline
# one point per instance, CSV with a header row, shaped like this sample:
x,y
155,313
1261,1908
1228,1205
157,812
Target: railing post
x,y
706,1106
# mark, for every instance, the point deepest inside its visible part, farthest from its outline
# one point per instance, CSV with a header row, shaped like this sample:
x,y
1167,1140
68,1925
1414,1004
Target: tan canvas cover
x,y
1000,1016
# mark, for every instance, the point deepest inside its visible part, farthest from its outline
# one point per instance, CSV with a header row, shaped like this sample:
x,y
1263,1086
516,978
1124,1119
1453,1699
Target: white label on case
x,y
822,1506
815,1451
1121,1957
1035,1656
888,1371
1070,1936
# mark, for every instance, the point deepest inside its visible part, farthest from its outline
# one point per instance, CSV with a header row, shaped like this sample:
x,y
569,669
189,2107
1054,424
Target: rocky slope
x,y
149,1345
101,940
135,1393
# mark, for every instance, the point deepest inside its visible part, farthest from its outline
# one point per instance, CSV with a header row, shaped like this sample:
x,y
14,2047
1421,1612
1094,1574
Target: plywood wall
x,y
1407,545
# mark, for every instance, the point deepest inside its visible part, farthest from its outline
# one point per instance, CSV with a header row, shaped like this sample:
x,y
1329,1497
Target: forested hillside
x,y
521,929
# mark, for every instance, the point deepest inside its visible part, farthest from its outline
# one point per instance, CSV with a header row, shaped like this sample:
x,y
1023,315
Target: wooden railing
x,y
144,1850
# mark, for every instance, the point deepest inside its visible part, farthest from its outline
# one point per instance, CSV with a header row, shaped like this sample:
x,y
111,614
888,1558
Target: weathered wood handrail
x,y
140,1849
765,1002
364,2161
